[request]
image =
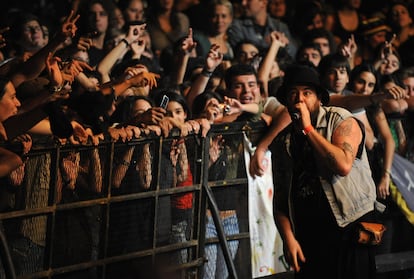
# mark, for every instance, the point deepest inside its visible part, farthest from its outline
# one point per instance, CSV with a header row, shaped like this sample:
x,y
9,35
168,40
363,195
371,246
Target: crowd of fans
x,y
83,71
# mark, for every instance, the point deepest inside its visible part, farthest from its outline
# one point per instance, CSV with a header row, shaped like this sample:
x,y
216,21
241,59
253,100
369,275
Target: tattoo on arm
x,y
348,148
345,129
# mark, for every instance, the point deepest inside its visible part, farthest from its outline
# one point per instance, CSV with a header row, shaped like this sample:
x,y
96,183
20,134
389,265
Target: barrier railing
x,y
152,207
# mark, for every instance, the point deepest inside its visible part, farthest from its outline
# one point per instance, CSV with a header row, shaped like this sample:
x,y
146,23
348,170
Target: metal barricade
x,y
150,208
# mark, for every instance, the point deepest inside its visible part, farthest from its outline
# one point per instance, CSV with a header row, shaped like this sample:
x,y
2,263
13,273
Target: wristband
x,y
388,172
125,41
307,130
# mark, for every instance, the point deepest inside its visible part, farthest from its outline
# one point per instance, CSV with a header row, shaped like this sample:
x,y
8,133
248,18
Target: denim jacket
x,y
350,197
244,30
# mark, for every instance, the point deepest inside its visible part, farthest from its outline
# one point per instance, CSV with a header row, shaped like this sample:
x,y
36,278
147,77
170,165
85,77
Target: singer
x,y
323,183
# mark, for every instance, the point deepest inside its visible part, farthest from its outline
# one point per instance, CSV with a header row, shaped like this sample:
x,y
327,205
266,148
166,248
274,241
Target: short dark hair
x,y
308,45
123,110
333,61
238,70
313,34
239,45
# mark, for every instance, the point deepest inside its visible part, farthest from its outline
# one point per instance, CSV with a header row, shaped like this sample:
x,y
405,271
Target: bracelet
x,y
206,73
125,41
387,172
307,130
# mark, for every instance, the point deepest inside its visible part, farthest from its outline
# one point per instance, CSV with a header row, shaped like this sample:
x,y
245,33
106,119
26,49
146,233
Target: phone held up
x,y
164,102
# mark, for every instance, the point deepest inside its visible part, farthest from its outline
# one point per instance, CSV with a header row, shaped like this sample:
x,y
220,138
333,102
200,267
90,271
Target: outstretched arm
x,y
356,101
279,122
106,64
214,58
183,55
278,40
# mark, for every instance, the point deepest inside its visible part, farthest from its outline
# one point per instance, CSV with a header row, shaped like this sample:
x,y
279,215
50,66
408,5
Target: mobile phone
x,y
164,102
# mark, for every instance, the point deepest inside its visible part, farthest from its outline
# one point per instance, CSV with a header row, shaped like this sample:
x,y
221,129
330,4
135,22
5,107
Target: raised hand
x,y
137,48
134,33
188,43
387,49
349,49
389,44
214,58
279,38
69,26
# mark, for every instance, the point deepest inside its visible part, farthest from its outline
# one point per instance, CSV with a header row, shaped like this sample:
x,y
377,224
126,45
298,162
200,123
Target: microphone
x,y
295,115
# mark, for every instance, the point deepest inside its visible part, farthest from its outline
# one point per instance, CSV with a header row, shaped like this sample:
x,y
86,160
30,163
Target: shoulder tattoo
x,y
348,148
345,129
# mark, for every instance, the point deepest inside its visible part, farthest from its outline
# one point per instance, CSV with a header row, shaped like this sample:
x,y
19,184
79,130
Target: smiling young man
x,y
323,184
243,93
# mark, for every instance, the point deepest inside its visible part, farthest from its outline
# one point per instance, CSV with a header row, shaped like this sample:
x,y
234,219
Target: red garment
x,y
184,201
